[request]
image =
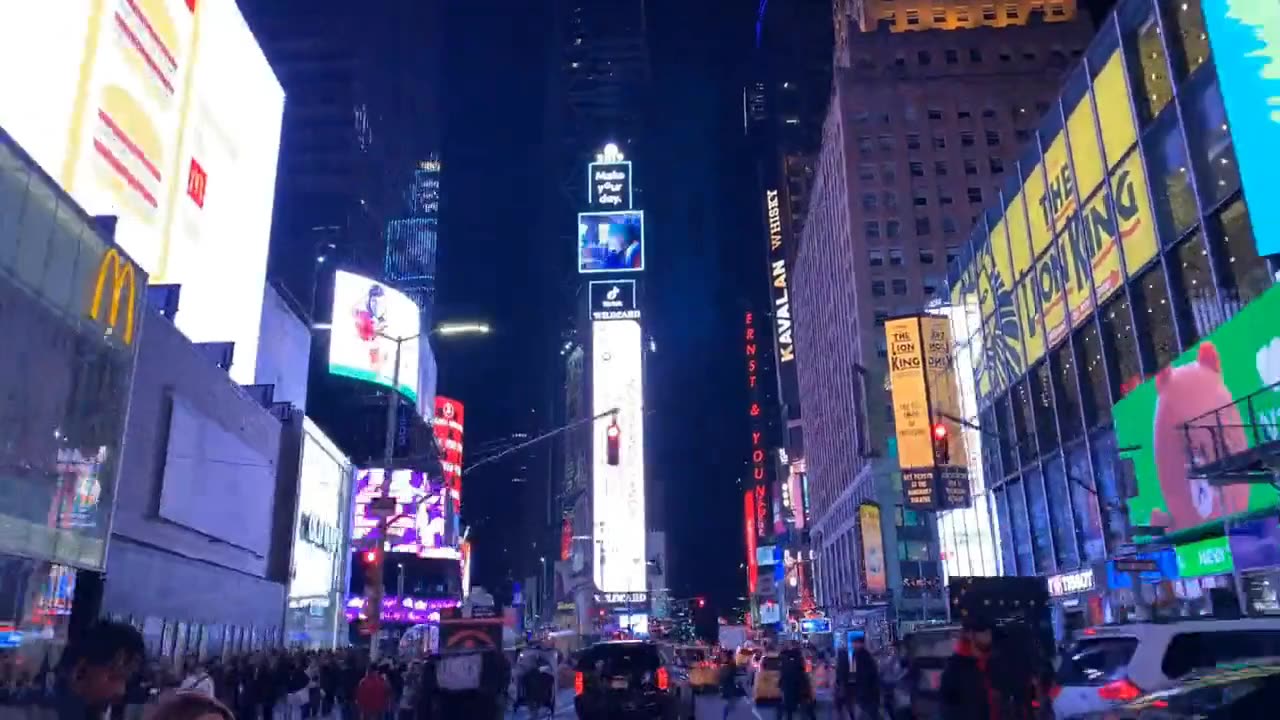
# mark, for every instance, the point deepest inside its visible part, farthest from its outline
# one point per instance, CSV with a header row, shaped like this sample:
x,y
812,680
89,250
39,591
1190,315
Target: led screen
x,y
317,542
368,317
165,114
611,241
618,490
419,523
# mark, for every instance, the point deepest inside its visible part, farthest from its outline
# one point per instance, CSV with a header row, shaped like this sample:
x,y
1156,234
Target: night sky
x,y
494,265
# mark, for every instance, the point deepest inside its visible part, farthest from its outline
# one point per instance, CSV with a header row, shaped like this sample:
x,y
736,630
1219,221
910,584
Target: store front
x,y
70,303
1255,549
1076,599
318,573
1140,587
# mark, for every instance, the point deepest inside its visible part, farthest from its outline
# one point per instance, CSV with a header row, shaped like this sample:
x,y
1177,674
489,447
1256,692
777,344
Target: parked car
x,y
1109,666
622,680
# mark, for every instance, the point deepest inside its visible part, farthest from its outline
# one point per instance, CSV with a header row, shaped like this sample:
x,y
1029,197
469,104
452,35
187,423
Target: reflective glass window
x,y
1158,340
1092,373
1008,551
1147,61
1065,373
1243,275
1188,38
1021,529
1169,178
1084,502
1066,553
1104,474
1041,396
1195,299
1024,422
1120,346
1213,156
1038,514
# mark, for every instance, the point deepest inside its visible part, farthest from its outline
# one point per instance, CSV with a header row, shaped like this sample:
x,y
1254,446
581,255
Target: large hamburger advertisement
x,y
165,114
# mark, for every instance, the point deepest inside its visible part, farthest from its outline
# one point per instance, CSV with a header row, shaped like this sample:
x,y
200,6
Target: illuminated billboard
x,y
1041,262
618,508
318,543
609,185
368,317
873,568
611,241
165,114
447,426
418,525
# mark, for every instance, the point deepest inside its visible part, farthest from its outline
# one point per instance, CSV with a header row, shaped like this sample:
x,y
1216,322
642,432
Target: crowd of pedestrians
x,y
105,675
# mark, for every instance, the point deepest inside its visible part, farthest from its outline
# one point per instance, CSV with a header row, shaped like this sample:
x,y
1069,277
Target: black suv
x,y
624,680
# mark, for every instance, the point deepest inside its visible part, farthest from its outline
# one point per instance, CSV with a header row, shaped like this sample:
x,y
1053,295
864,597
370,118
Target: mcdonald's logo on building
x,y
124,283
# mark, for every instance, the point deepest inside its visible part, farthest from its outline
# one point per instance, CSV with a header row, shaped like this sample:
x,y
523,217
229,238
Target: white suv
x,y
1110,665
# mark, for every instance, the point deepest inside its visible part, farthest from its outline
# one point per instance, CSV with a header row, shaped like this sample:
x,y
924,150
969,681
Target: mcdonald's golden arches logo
x,y
122,277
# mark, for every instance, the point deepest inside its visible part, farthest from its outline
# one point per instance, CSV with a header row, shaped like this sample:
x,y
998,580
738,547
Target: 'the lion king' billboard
x,y
1240,358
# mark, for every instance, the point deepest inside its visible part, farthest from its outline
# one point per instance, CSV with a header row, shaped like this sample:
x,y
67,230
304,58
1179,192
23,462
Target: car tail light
x,y
663,680
1119,691
577,683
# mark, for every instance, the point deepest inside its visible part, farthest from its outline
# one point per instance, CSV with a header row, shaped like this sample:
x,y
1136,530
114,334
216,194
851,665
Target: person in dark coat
x,y
968,691
796,691
866,680
843,689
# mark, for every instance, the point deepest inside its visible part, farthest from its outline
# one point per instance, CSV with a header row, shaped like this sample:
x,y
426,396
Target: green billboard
x,y
1206,557
1238,359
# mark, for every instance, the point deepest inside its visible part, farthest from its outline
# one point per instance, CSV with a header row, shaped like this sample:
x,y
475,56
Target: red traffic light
x,y
371,556
702,602
941,446
612,443
939,431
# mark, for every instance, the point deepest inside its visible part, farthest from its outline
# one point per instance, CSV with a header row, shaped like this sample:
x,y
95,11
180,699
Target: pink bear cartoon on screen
x,y
1192,393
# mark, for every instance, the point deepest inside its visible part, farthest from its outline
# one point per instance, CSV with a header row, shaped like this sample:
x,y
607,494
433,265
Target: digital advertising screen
x,y
618,507
611,241
165,114
419,523
318,550
447,426
368,317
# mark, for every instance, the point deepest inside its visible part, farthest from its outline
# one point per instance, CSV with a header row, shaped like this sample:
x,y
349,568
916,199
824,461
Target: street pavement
x,y
707,707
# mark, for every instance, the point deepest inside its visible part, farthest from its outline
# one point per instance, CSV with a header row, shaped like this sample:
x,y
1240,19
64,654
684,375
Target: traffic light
x,y
370,557
941,446
613,439
702,602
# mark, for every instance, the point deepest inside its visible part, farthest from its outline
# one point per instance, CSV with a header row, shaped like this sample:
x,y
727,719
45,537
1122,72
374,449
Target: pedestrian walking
x,y
797,691
191,705
95,670
866,681
373,695
967,689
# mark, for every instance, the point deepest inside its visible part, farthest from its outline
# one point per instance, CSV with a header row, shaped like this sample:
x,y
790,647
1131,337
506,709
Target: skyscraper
x,y
930,102
411,239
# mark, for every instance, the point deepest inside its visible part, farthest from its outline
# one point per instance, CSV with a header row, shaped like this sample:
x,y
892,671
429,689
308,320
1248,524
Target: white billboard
x,y
319,540
165,114
368,317
618,490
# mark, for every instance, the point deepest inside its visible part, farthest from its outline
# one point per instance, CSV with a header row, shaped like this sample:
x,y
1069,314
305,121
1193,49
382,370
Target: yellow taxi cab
x,y
767,687
704,672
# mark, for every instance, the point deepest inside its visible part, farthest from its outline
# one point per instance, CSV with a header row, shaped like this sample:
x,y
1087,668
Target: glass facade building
x,y
70,309
1121,241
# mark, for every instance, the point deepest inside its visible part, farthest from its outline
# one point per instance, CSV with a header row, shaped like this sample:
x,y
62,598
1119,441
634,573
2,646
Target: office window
x,y
872,228
935,114
926,256
930,287
864,143
993,138
996,165
888,174
1191,44
913,141
975,55
877,288
975,195
1243,274
900,62
866,172
967,138
920,200
882,346
1006,56
1145,48
1022,135
944,198
868,201
952,57
1169,179
913,17
948,228
939,167
964,114
886,142
970,167
1028,55
892,228
1212,154
899,286
988,13
875,258
939,142
1120,348
1159,343
988,114
917,168
890,199
922,226
881,315
1195,299
895,257
924,57
953,253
